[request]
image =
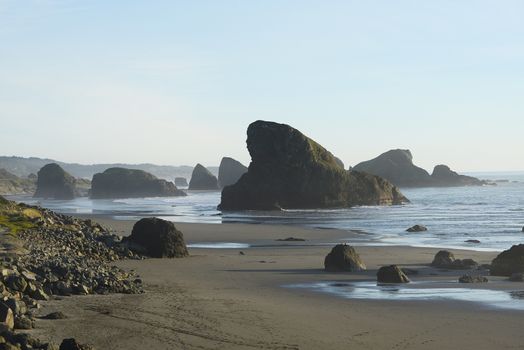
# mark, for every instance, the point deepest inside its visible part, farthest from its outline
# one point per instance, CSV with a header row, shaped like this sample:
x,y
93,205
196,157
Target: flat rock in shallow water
x,y
417,228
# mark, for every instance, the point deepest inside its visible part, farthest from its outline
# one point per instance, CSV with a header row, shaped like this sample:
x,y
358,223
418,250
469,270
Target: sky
x,y
178,82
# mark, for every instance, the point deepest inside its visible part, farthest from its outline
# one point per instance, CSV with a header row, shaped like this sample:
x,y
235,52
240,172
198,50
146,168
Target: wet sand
x,y
220,299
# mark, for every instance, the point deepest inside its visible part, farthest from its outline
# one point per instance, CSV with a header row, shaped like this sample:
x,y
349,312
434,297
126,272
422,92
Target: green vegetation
x,y
17,218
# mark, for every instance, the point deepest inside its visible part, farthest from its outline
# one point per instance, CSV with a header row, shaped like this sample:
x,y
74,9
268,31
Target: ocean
x,y
493,215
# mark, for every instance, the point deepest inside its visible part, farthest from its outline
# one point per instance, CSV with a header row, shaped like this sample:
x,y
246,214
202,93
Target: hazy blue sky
x,y
178,82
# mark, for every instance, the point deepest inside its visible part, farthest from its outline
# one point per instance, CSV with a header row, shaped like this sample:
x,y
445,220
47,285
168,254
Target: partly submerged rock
x,y
230,171
181,182
343,257
157,238
202,179
289,170
472,279
131,183
509,261
55,183
396,166
443,176
391,274
417,228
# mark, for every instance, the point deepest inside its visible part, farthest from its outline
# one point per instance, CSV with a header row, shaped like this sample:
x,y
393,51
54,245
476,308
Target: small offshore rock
x,y
472,279
291,239
417,228
476,241
391,274
343,257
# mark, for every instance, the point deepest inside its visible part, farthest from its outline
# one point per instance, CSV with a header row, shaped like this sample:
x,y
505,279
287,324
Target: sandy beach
x,y
221,299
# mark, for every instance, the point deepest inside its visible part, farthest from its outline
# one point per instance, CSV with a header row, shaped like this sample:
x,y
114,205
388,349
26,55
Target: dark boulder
x,y
131,183
443,176
417,228
472,279
202,179
7,318
53,182
396,166
289,170
157,238
446,260
230,171
391,274
181,182
509,261
343,257
522,228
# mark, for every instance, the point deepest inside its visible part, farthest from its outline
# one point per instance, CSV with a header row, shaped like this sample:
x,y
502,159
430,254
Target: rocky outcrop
x,y
391,274
54,183
11,184
446,260
417,228
181,182
509,261
396,166
157,238
131,183
472,279
289,170
343,257
443,176
202,179
230,171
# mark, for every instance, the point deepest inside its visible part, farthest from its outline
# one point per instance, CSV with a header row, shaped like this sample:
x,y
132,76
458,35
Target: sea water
x,y
494,215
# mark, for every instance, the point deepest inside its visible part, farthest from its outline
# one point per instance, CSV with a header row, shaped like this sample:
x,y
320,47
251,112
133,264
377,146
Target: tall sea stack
x,y
55,183
289,170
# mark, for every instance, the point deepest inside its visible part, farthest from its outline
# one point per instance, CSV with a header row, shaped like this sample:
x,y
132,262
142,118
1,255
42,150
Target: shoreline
x,y
218,298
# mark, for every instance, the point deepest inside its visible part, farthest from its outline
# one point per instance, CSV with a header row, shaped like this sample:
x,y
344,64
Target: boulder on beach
x,y
55,183
443,176
391,274
131,183
509,261
396,166
230,171
202,179
472,279
343,257
157,238
417,228
288,170
181,182
446,260
7,318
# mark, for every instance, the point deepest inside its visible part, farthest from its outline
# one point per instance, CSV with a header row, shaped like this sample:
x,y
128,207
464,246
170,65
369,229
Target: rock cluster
x,y
472,279
288,170
54,183
509,261
397,166
343,257
202,179
230,171
157,238
131,183
446,260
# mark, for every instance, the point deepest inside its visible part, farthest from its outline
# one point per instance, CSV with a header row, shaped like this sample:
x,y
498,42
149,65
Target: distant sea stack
x,y
131,183
289,170
181,182
202,179
230,171
443,176
397,166
54,183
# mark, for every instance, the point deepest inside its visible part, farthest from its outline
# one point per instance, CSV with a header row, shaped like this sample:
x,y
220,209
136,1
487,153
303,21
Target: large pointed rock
x,y
55,183
157,238
509,261
131,183
203,179
230,171
289,170
343,257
